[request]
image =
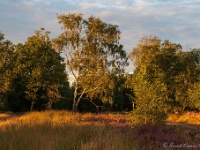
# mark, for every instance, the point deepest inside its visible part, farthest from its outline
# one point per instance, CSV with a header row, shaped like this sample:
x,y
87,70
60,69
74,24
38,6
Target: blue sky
x,y
176,20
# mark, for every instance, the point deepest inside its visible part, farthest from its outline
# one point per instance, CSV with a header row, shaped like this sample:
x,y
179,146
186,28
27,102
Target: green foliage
x,y
122,94
163,80
149,99
194,96
6,56
149,88
194,89
39,69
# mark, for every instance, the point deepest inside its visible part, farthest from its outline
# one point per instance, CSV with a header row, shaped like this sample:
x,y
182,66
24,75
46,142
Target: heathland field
x,y
64,130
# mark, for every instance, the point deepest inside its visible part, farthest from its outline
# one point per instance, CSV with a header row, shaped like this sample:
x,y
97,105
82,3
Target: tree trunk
x,y
75,104
74,107
77,99
32,103
49,104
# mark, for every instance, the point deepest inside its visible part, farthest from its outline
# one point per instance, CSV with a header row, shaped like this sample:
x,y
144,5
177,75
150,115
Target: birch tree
x,y
93,55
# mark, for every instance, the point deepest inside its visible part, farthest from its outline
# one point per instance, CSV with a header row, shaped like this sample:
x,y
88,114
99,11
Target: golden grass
x,y
64,130
59,118
187,118
61,130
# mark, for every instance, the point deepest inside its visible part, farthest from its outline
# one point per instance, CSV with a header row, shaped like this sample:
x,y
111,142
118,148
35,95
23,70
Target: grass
x,y
63,130
188,118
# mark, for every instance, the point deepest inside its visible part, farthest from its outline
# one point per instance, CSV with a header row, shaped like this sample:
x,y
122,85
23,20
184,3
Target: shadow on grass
x,y
9,115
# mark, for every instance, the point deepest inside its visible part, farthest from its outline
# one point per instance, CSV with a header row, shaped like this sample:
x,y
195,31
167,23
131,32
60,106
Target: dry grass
x,y
188,118
63,130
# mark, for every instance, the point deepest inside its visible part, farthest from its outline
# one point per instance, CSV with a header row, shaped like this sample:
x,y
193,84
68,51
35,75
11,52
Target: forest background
x,y
35,74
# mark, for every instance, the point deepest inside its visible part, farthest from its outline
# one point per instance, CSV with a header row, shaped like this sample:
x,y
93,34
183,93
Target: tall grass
x,y
63,130
188,117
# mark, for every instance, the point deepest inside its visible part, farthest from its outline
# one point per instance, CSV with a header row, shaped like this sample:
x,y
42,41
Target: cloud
x,y
175,20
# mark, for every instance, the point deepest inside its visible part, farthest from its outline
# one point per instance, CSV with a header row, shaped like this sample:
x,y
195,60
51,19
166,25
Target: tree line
x,y
35,75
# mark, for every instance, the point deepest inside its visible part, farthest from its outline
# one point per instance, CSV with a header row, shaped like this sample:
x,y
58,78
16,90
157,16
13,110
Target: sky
x,y
174,20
